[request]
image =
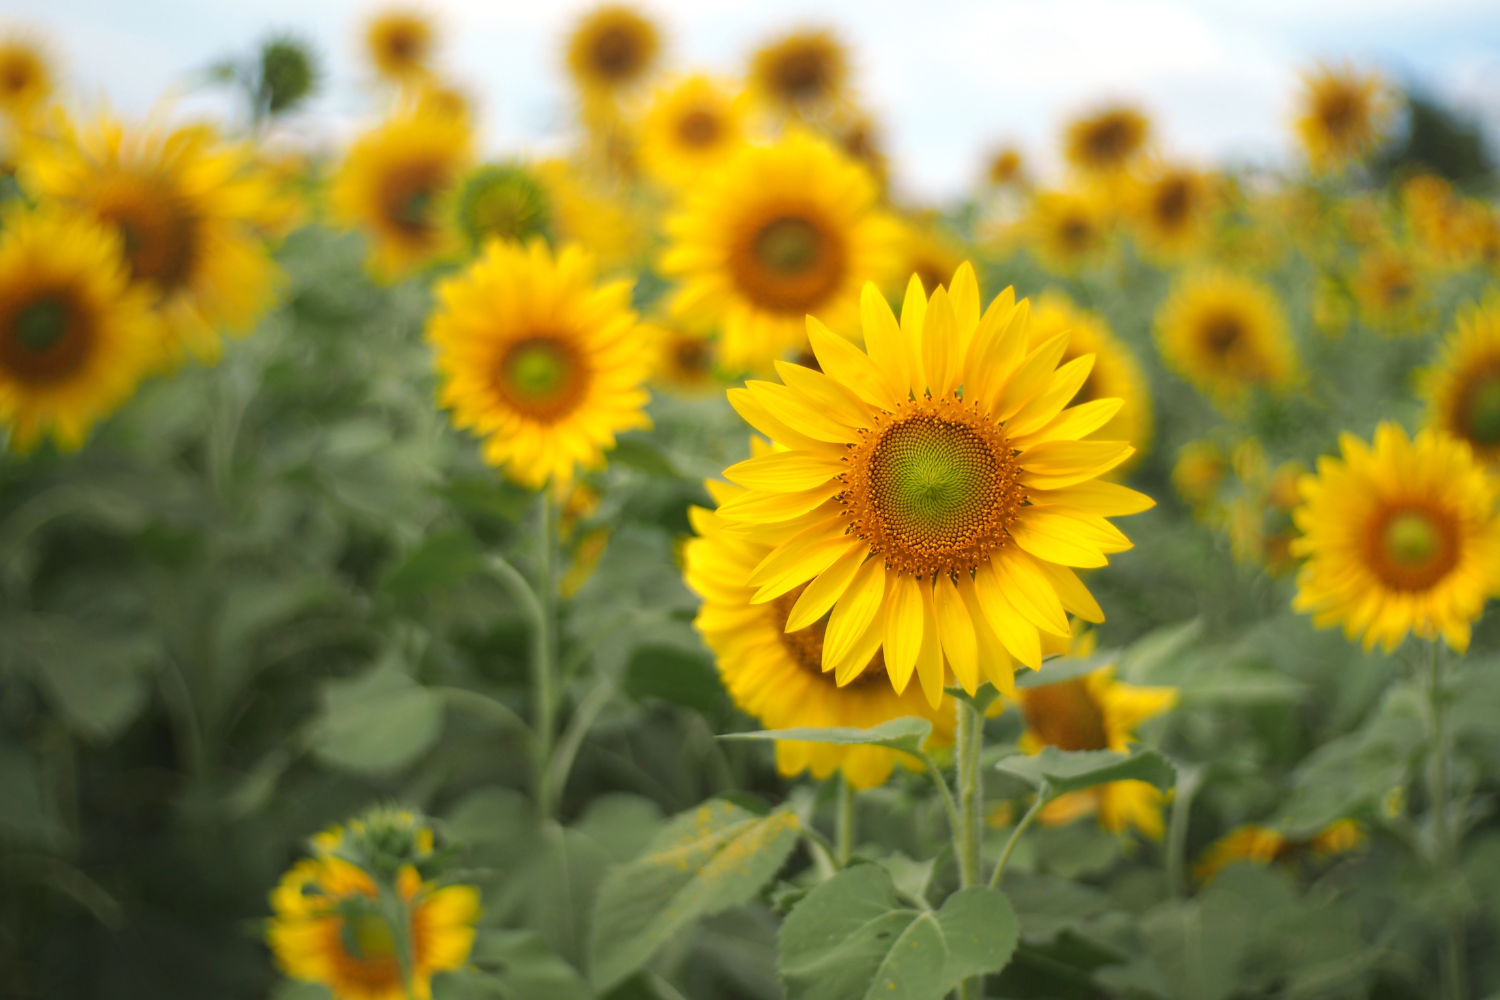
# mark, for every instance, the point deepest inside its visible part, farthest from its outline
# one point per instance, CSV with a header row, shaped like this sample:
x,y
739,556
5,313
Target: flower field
x,y
682,565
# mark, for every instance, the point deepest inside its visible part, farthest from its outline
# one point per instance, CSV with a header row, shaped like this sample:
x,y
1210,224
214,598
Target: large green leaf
x,y
705,860
377,723
906,735
1073,770
512,965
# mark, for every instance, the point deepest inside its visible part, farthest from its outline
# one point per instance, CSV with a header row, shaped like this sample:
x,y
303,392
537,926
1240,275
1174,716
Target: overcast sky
x,y
947,78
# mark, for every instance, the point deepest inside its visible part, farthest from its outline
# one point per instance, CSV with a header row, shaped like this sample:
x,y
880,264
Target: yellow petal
x,y
1018,635
1042,410
786,471
957,633
827,395
984,374
903,629
930,656
1054,464
1054,538
1074,595
773,427
963,292
853,663
854,611
1029,592
886,345
1072,423
1031,376
807,544
1096,497
994,662
940,359
850,366
913,313
758,506
796,410
823,592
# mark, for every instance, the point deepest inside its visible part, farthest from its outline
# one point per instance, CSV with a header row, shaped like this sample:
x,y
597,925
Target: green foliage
x,y
906,735
1063,771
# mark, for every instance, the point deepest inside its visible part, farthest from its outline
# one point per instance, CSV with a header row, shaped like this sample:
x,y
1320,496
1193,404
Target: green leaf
x,y
377,723
1072,770
906,735
441,560
705,860
494,497
621,823
26,817
1240,687
636,453
982,698
1065,668
1156,649
512,965
677,676
980,930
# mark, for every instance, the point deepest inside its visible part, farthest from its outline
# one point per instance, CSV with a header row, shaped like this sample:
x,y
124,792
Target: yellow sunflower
x,y
1400,538
594,215
801,73
1438,220
859,136
1265,846
26,77
1226,334
694,125
400,44
930,253
613,48
1201,469
1391,290
685,361
1106,143
1171,208
1341,116
1066,229
1095,712
538,360
393,184
1006,166
75,335
189,209
778,233
935,492
777,676
1463,388
1116,373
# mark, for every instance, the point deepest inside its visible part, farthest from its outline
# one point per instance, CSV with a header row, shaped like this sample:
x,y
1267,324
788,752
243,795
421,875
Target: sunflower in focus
x,y
613,48
1006,167
777,675
503,201
691,126
393,183
1463,388
1068,228
1403,537
400,45
801,73
1226,334
190,211
1171,209
1341,117
1390,289
934,494
778,233
1265,846
538,360
1116,373
1095,712
26,77
1106,143
76,335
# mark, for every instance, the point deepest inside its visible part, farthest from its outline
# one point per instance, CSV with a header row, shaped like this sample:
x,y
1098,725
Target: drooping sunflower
x,y
1226,334
776,234
694,125
613,48
190,210
400,43
934,493
1391,290
1400,538
1171,208
26,76
538,360
1341,115
1116,373
1265,846
1095,712
1067,229
777,676
1463,388
1107,142
75,335
800,73
393,184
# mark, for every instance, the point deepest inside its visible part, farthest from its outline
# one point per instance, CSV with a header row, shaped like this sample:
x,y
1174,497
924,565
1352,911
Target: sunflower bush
x,y
686,568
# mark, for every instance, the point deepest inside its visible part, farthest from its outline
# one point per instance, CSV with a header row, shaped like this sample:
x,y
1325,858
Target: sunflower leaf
x,y
906,735
981,699
1073,770
1065,668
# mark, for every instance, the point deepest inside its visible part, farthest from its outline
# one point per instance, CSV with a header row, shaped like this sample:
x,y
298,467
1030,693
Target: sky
x,y
947,79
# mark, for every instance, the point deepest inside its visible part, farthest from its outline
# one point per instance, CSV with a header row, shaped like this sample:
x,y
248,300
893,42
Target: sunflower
x,y
801,73
613,48
1095,712
400,45
1463,388
778,676
594,216
75,335
1400,538
931,254
1106,143
538,360
1171,208
695,124
1438,220
1341,116
1391,290
26,78
393,183
685,361
503,201
776,234
1068,229
1116,373
1005,167
189,209
1264,846
1201,469
859,136
936,492
1226,334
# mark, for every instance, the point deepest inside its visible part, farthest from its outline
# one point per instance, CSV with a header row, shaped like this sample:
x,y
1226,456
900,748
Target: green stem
x,y
1188,780
1042,797
1445,841
844,823
968,837
544,708
942,787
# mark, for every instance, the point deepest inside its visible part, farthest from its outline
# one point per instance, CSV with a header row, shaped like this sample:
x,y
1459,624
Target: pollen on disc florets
x,y
932,487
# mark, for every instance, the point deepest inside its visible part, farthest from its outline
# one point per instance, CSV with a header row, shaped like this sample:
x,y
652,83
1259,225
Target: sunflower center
x,y
542,377
698,129
788,246
1111,141
1074,233
1483,410
1172,202
802,75
617,53
1065,715
40,325
788,260
805,646
1221,333
1338,109
1413,548
160,229
45,339
691,356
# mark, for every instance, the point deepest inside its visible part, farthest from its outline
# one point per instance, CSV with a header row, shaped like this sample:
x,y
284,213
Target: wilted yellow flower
x,y
1463,388
1342,115
1264,846
1226,334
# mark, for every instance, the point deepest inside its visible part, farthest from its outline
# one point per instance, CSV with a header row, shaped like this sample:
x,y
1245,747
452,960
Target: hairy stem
x,y
844,823
968,837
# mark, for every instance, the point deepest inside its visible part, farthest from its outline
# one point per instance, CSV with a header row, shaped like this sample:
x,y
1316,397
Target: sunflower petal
x,y
940,357
850,366
786,471
1050,537
963,292
1054,464
823,592
913,315
831,398
1030,592
930,656
757,506
757,415
1075,597
1042,410
957,631
1073,423
887,347
1031,376
994,662
1095,497
1019,637
854,611
798,411
903,629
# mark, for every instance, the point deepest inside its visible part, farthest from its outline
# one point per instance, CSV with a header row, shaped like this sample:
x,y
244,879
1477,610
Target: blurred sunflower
x,y
1006,167
1116,373
801,73
538,360
594,215
685,361
75,335
613,48
1068,229
1095,712
1265,846
694,125
501,202
778,676
400,43
858,135
1171,209
778,233
931,254
393,183
1226,334
1106,143
26,76
1201,468
189,209
1391,290
1437,220
1341,116
1463,389
935,524
1400,538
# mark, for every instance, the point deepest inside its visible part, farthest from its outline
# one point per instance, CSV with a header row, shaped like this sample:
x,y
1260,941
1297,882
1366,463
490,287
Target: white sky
x,y
947,78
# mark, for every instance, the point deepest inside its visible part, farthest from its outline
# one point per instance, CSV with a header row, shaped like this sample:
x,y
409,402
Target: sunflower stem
x,y
544,707
967,836
844,823
1444,839
1042,797
1188,780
